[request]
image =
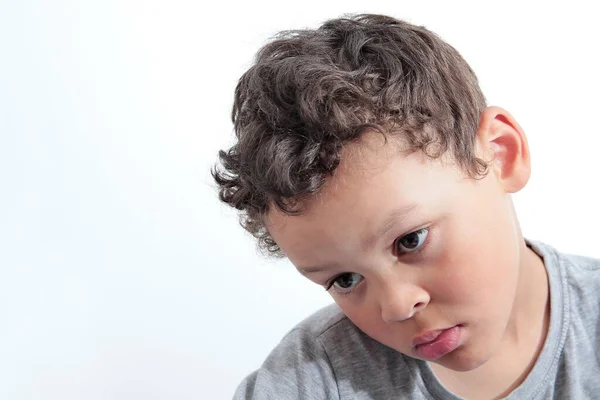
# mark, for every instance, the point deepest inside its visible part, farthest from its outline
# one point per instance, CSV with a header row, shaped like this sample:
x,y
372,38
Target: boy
x,y
366,154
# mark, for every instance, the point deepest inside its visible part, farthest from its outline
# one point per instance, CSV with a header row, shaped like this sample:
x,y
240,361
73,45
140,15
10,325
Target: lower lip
x,y
446,342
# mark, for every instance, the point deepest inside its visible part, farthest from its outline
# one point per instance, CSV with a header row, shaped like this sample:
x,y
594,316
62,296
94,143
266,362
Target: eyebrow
x,y
392,219
386,226
312,270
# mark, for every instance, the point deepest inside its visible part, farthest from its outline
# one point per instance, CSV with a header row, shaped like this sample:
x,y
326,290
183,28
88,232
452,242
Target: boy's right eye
x,y
346,282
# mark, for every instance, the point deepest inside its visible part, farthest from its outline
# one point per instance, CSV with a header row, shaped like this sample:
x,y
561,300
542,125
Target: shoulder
x,y
580,276
327,356
578,270
310,340
298,367
322,321
583,281
582,263
582,273
583,276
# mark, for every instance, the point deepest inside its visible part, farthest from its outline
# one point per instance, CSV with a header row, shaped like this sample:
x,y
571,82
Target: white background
x,y
121,275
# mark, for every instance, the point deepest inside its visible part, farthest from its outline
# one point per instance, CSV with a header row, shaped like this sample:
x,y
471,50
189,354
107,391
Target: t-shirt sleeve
x,y
298,368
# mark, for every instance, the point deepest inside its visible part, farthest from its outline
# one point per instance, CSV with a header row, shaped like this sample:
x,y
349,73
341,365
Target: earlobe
x,y
506,144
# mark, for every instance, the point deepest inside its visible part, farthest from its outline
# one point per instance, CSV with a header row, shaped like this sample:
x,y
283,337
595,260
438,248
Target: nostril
x,y
420,305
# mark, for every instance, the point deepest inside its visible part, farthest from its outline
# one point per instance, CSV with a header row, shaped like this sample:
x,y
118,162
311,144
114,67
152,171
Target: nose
x,y
400,301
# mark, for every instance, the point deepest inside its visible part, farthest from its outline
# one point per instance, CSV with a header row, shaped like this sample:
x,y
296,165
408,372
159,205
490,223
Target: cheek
x,y
368,320
361,314
366,317
474,273
480,243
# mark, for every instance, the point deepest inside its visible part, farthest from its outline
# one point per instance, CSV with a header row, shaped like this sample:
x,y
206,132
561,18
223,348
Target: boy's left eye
x,y
411,242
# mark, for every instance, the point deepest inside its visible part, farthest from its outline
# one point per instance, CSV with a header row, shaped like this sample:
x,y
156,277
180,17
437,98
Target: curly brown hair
x,y
310,92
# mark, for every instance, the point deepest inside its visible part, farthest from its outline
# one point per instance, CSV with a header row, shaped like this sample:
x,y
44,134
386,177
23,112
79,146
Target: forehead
x,y
375,178
377,168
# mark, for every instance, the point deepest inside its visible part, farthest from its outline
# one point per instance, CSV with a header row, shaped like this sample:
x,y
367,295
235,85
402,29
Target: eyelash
x,y
416,253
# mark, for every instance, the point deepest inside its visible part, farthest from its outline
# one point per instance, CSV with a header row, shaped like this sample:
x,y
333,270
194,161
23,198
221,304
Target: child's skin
x,y
471,267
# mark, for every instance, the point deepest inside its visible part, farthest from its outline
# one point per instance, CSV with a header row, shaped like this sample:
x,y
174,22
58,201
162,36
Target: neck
x,y
531,311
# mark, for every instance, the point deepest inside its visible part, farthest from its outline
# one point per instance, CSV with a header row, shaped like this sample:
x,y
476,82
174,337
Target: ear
x,y
500,136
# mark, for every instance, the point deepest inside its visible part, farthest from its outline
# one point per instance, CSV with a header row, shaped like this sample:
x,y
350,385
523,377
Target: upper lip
x,y
427,337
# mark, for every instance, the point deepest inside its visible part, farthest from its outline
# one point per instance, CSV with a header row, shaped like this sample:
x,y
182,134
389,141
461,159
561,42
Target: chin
x,y
461,360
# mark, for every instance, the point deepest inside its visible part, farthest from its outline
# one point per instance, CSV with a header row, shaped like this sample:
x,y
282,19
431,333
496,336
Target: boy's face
x,y
412,246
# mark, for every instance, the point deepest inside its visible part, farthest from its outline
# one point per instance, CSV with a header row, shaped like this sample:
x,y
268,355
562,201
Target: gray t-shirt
x,y
327,357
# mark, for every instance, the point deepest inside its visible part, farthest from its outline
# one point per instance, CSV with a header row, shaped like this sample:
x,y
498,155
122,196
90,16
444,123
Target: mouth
x,y
434,344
